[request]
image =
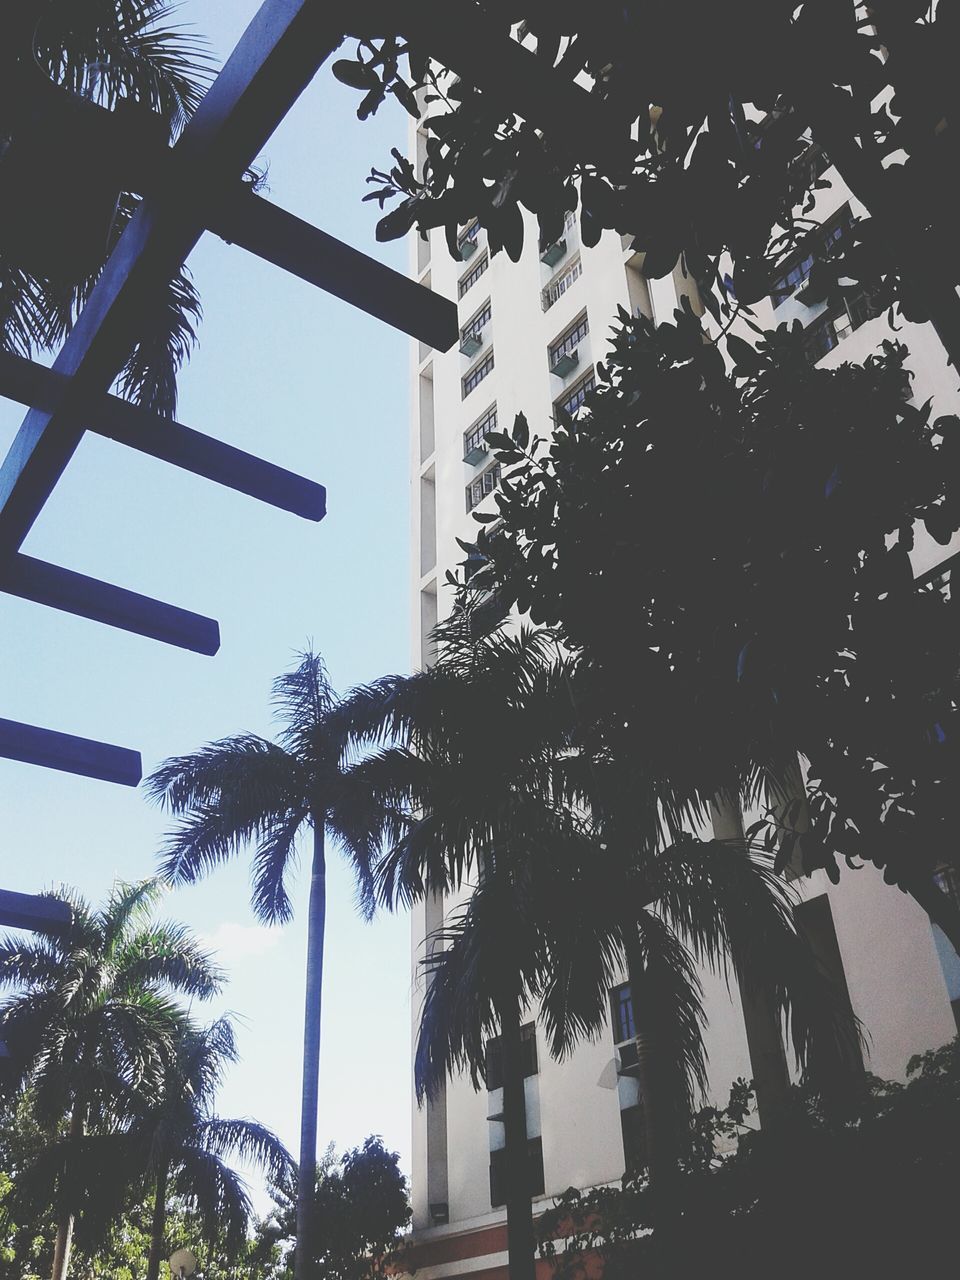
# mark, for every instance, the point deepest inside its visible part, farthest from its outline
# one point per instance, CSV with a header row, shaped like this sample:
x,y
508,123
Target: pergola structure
x,y
197,185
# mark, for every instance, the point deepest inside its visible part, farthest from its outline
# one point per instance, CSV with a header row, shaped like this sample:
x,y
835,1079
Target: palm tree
x,y
126,56
501,784
245,791
182,1142
93,1019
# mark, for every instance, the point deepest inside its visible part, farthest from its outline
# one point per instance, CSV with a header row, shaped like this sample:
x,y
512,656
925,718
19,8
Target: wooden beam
x,y
42,388
38,912
72,592
54,750
273,62
295,246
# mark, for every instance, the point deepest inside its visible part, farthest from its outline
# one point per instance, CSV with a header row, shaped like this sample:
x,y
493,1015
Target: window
x,y
498,1172
559,285
621,1009
574,398
475,437
838,322
568,342
473,275
484,485
476,324
477,374
493,1071
818,244
467,241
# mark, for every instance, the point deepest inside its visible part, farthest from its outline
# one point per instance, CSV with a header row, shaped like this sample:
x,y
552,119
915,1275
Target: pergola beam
x,y
51,749
71,592
305,251
273,62
36,912
42,388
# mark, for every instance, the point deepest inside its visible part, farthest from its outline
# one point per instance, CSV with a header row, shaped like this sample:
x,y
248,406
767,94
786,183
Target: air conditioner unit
x,y
476,453
629,1064
552,254
566,364
471,343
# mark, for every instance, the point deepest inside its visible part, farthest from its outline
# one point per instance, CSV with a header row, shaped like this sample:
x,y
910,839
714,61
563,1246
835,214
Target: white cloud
x,y
232,942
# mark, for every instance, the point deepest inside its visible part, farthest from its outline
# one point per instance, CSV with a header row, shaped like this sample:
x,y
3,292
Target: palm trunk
x,y
306,1182
656,1098
521,1242
159,1224
61,1250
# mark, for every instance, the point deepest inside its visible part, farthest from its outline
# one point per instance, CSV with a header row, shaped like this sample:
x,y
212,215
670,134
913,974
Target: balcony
x,y
470,343
467,249
564,365
552,254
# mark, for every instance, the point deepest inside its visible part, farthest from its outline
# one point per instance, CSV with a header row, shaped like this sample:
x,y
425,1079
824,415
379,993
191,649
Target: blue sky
x,y
300,378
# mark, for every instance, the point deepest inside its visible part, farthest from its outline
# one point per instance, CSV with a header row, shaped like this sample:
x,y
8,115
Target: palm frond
x,y
248,1141
302,698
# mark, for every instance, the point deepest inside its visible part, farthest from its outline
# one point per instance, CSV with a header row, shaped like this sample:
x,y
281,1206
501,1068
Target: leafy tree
x,y
247,791
91,1021
182,1144
794,627
57,59
709,124
361,1211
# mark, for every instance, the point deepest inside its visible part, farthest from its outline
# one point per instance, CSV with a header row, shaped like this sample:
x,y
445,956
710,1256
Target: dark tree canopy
x,y
722,115
729,553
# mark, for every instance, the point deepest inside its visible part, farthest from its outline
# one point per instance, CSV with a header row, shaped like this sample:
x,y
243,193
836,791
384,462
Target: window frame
x,y
476,374
569,340
470,278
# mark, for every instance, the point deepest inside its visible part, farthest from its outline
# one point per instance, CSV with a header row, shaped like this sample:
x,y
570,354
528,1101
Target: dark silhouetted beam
x,y
42,388
274,61
33,911
116,607
294,245
53,750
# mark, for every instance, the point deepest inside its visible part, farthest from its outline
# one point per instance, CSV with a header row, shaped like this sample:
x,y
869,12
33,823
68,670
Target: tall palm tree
x,y
247,792
567,847
182,1142
93,1017
64,206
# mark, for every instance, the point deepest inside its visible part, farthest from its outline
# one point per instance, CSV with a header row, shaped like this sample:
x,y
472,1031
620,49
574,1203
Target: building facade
x,y
531,335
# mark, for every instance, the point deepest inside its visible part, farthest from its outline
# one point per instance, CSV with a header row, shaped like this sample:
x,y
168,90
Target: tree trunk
x,y
306,1182
159,1224
61,1251
658,1101
521,1242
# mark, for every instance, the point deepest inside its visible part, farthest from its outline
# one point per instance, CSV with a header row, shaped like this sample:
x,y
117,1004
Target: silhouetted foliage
x,y
721,117
870,1197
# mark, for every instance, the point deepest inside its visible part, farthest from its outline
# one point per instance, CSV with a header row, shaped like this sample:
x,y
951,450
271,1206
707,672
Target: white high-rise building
x,y
531,335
